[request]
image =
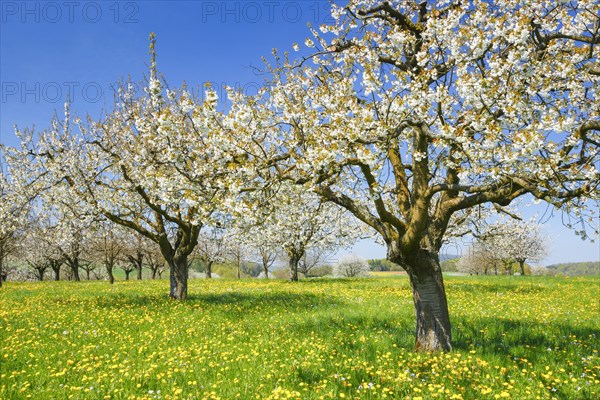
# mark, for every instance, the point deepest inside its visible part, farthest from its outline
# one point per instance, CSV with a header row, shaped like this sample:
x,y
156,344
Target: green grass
x,y
514,337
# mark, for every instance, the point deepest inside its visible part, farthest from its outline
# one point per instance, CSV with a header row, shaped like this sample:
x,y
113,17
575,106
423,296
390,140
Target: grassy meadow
x,y
514,337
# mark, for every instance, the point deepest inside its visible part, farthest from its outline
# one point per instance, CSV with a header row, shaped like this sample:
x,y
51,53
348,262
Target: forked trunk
x,y
153,273
179,276
137,261
429,298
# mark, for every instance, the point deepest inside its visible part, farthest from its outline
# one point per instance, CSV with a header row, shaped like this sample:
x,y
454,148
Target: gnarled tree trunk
x,y
429,297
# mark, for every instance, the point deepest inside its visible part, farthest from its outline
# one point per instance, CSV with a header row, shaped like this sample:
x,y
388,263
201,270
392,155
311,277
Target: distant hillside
x,y
575,269
448,257
447,262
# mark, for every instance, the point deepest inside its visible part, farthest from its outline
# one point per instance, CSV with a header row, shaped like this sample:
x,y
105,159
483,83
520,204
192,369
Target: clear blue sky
x,y
51,50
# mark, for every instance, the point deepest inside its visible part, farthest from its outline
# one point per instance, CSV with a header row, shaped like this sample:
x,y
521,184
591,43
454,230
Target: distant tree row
x,y
504,248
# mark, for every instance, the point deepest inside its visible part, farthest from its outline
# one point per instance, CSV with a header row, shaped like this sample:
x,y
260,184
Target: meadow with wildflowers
x,y
514,337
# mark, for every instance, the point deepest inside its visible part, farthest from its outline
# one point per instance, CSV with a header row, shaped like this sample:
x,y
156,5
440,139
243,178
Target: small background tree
x,y
351,266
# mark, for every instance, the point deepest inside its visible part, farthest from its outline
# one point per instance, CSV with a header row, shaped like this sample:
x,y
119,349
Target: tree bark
x,y
294,260
137,262
153,273
208,272
75,270
40,274
111,277
56,268
179,276
522,266
433,330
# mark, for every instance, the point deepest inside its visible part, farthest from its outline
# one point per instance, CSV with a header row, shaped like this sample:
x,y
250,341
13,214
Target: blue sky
x,y
51,50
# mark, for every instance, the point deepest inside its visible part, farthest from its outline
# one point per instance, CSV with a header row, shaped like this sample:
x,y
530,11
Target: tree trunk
x,y
56,269
75,270
40,274
154,273
294,260
179,276
127,272
137,261
111,277
429,298
266,270
208,272
2,277
87,274
522,266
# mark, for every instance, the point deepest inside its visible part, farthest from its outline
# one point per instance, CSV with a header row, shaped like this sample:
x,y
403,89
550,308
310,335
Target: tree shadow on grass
x,y
242,300
502,287
517,338
264,299
488,336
